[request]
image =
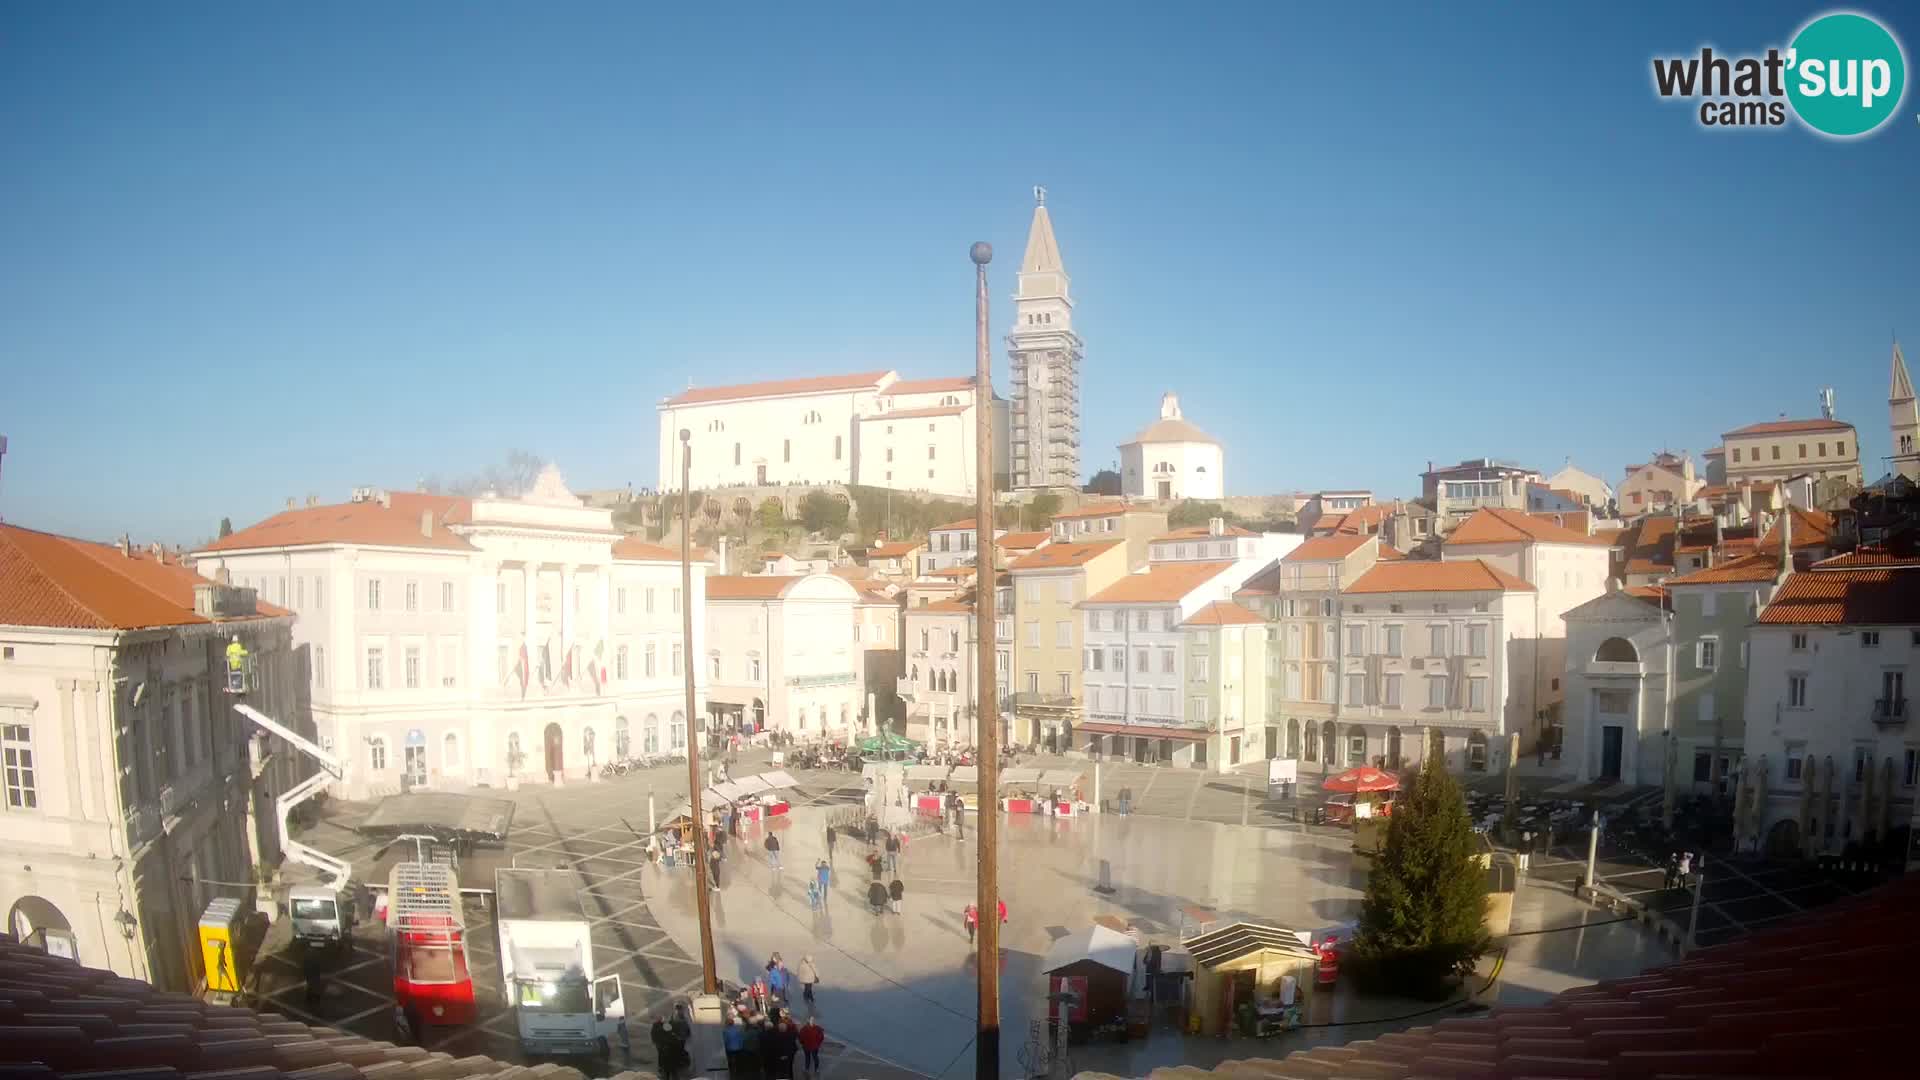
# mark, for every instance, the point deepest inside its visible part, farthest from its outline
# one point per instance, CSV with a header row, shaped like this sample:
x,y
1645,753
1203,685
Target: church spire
x,y
1043,251
1904,416
1902,387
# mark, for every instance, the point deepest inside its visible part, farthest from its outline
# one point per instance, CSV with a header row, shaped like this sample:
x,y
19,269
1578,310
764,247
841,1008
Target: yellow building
x,y
1048,632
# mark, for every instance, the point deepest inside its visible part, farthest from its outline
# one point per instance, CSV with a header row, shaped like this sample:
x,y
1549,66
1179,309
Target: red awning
x,y
1145,732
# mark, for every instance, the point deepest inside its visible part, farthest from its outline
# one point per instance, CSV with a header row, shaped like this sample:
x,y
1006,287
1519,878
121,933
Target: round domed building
x,y
1172,459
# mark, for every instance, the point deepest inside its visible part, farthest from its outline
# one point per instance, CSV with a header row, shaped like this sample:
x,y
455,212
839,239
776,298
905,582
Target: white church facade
x,y
1172,459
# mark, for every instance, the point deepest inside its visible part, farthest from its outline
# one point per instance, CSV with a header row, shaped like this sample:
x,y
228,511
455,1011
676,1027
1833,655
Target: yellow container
x,y
220,935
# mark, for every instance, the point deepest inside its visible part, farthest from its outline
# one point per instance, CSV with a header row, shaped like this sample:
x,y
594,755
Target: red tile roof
x,y
1055,556
1756,568
1714,451
963,523
864,380
1023,541
1862,557
367,523
1463,575
57,581
1389,553
1201,532
751,586
1326,548
895,550
1575,520
1162,583
1811,528
1783,427
930,386
1654,593
1264,583
1223,613
1490,525
1886,595
1648,544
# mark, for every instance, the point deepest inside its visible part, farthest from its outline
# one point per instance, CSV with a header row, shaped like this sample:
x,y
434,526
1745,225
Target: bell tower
x,y
1905,420
1044,421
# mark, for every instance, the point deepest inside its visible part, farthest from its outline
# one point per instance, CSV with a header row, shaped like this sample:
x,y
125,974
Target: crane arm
x,y
312,749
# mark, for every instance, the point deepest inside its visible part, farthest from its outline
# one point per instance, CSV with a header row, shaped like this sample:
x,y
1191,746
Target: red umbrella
x,y
1363,778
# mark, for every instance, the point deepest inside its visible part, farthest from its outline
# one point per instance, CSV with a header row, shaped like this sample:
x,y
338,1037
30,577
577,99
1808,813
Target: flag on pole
x,y
521,669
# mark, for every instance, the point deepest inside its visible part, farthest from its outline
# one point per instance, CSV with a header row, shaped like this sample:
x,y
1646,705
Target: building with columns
x,y
1045,353
133,794
476,641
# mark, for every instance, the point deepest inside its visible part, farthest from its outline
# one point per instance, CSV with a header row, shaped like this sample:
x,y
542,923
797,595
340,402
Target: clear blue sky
x,y
253,251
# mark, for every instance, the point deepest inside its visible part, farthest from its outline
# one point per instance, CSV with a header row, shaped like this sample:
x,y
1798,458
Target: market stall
x,y
1021,790
1250,978
1091,975
926,789
965,780
1064,787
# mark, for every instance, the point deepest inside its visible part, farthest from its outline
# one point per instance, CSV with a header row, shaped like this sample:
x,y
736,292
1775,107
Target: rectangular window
x,y
299,592
1910,770
446,596
1031,633
1393,642
1797,760
16,748
649,599
410,661
1477,641
1139,702
1142,621
753,669
1119,659
1840,448
1775,448
1702,766
619,601
1707,604
1166,662
1197,670
1033,682
412,595
377,754
676,599
713,668
1393,691
1803,449
786,450
675,671
1064,590
1869,639
1436,641
1477,694
1799,641
320,666
1823,449
1066,684
1063,633
649,660
1197,711
1436,692
622,665
373,594
836,448
500,598
1707,653
1356,641
1796,691
1096,660
376,667
1736,456
319,592
1356,689
1141,662
1093,620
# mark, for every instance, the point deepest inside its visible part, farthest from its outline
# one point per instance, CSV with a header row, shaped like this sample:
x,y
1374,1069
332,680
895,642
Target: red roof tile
x,y
368,523
863,380
1462,575
1783,427
895,550
751,586
58,581
1490,525
1811,528
962,524
1873,596
1326,548
1055,556
1756,568
1023,541
1162,583
1223,613
1863,557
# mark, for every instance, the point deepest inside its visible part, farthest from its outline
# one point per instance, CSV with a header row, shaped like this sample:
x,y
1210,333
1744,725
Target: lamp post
x,y
709,977
986,1047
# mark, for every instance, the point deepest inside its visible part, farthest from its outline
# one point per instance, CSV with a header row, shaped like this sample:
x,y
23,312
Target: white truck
x,y
546,966
322,917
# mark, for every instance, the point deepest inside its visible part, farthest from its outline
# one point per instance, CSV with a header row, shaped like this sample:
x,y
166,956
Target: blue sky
x,y
249,251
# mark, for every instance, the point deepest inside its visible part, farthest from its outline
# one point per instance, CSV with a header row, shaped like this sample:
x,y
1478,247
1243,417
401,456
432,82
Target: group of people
x,y
1679,869
761,1038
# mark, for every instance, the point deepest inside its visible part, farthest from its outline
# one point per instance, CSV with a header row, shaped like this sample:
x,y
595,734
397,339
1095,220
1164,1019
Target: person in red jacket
x,y
811,1036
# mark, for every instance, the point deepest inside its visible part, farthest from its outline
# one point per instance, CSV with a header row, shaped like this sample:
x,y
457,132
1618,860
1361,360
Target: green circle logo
x,y
1845,74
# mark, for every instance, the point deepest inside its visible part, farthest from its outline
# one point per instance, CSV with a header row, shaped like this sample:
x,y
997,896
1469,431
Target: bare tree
x,y
510,479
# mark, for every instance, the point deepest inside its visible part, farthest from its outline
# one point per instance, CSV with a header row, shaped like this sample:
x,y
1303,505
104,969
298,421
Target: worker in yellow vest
x,y
236,666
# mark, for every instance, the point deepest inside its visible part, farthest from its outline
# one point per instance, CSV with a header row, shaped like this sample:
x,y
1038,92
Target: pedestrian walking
x,y
896,891
809,977
824,875
777,978
786,1047
1686,866
812,1035
813,895
713,868
734,1039
831,837
971,917
1672,871
893,854
873,864
773,852
1003,913
877,895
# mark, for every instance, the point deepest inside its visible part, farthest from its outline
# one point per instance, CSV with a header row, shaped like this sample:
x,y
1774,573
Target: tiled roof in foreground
x,y
1815,995
58,1019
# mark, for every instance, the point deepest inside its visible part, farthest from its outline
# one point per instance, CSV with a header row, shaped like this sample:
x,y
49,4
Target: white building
x,y
1591,489
1619,702
1172,459
1566,568
782,654
1428,651
1831,757
1216,540
941,683
132,790
458,641
1044,351
951,545
869,427
1135,660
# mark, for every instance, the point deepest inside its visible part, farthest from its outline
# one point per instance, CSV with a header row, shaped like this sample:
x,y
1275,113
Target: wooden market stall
x,y
965,779
923,789
1091,975
1249,976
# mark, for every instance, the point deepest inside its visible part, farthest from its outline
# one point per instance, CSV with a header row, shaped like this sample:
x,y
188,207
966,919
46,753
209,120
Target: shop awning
x,y
1144,731
965,774
1022,775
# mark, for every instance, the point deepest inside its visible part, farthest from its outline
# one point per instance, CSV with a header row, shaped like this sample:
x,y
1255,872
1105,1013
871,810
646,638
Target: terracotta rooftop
x,y
1389,553
1264,583
634,549
1648,544
751,586
1714,451
963,523
1575,520
1490,525
930,386
366,523
1756,568
1883,595
1463,575
1783,427
895,550
1107,508
1023,541
1652,593
1326,548
1162,583
1056,556
1223,613
1200,532
57,581
958,604
864,380
1862,557
1811,528
952,572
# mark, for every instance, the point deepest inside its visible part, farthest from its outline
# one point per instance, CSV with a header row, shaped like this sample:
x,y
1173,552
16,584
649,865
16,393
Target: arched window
x,y
650,734
759,714
1311,745
1617,650
377,753
450,751
586,741
679,731
622,739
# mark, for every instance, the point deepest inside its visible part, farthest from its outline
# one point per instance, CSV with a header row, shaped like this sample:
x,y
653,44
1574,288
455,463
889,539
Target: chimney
x,y
125,544
1786,547
313,500
154,549
426,523
291,502
386,499
1216,526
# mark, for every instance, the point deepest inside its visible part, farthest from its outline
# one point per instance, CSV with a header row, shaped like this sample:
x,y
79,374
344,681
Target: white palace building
x,y
455,641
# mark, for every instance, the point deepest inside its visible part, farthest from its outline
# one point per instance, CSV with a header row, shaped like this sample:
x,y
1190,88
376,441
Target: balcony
x,y
905,688
1029,699
1890,712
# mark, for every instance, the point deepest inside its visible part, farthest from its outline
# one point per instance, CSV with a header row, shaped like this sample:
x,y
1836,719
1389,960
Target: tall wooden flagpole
x,y
986,1055
709,973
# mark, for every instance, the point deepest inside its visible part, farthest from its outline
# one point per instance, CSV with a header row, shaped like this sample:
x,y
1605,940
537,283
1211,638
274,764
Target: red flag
x,y
523,669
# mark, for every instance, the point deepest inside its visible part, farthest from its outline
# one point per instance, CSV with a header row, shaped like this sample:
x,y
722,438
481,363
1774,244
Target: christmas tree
x,y
1423,921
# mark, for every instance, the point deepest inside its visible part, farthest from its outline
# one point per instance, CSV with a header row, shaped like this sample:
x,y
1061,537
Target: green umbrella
x,y
887,742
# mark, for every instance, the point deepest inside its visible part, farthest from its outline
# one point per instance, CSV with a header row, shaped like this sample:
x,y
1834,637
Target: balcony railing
x,y
905,688
1890,712
1034,700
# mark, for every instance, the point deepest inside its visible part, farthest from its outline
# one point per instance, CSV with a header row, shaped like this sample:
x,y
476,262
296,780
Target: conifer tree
x,y
1423,921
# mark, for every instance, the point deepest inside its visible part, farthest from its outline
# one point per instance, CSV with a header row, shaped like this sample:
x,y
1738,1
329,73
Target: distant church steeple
x,y
1044,420
1905,419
